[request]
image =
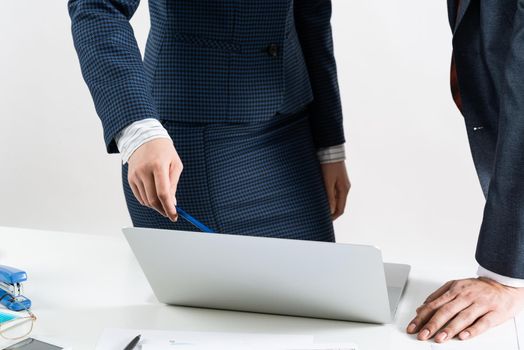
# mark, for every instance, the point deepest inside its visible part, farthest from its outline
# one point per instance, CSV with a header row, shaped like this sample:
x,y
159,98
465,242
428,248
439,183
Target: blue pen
x,y
193,221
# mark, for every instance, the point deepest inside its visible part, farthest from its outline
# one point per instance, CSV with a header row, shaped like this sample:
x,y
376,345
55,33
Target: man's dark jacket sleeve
x,y
501,242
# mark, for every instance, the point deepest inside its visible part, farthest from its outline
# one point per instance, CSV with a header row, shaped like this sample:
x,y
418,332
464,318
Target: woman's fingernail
x,y
424,334
441,336
464,335
411,328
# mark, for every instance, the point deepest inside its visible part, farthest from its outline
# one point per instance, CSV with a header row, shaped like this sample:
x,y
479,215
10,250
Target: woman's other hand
x,y
337,185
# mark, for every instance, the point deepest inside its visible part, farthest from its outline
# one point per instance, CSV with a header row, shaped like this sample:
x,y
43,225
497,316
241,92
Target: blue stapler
x,y
11,289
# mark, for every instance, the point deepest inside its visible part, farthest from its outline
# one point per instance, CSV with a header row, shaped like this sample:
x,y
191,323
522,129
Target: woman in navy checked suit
x,y
233,114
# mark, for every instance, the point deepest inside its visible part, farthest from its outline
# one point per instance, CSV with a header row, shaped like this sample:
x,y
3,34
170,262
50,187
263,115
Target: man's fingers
x,y
438,292
488,320
464,319
163,191
442,316
426,311
152,198
467,308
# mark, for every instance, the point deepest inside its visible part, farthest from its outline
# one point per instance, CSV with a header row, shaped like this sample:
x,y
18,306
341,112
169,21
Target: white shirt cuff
x,y
507,281
136,134
331,154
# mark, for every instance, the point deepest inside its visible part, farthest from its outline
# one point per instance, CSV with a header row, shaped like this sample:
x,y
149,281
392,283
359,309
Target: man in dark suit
x,y
487,79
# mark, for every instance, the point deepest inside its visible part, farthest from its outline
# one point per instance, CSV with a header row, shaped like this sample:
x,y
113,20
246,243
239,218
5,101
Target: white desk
x,y
81,284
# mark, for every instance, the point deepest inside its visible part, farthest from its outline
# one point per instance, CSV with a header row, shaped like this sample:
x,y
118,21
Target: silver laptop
x,y
269,275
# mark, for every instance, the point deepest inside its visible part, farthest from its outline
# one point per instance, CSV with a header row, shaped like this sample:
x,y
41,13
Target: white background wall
x,y
413,177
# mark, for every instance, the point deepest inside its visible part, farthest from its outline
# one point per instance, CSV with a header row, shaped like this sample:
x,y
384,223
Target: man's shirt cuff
x,y
331,154
136,134
505,280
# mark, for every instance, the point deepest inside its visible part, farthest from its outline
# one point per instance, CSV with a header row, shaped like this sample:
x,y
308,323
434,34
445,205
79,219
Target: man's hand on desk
x,y
465,308
153,174
337,186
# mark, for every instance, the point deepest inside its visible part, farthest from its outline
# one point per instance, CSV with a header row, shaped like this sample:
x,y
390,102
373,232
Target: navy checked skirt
x,y
259,180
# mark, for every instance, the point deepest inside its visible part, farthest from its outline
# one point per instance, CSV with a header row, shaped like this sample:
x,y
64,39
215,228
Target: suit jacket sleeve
x,y
111,63
312,18
501,242
452,13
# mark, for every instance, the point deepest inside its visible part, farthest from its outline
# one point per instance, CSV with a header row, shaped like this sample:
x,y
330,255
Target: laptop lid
x,y
260,274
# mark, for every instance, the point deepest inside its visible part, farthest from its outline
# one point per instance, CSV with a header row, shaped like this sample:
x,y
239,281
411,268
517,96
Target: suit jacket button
x,y
272,50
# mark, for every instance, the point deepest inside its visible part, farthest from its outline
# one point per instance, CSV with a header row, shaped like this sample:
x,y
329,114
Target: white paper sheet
x,y
116,339
268,347
311,346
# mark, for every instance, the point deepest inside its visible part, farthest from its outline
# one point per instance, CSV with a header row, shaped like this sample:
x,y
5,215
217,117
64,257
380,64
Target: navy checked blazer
x,y
210,61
